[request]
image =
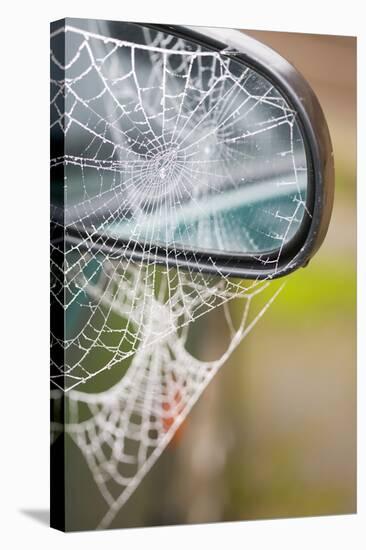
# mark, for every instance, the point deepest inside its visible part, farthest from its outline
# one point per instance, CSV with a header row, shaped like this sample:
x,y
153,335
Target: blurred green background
x,y
274,435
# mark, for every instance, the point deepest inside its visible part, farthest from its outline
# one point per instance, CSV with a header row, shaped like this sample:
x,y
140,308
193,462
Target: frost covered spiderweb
x,y
153,129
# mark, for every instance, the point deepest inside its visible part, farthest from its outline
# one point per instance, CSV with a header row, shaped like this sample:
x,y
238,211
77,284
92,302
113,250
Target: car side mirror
x,y
190,147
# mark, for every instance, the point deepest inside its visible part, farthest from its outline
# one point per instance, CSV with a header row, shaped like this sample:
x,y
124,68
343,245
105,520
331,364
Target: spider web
x,y
153,128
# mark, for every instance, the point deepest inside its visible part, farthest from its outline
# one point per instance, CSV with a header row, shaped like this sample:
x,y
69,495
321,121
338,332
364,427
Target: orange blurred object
x,y
172,409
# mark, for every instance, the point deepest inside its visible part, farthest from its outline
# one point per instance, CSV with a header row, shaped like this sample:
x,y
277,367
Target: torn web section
x,y
122,431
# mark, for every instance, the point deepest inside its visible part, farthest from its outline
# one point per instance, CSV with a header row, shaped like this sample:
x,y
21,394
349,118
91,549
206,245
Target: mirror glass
x,y
170,143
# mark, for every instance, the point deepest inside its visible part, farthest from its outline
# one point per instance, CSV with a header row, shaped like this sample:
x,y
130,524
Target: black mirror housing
x,y
87,230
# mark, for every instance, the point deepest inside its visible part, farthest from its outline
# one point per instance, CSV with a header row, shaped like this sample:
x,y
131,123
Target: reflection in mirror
x,y
173,144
